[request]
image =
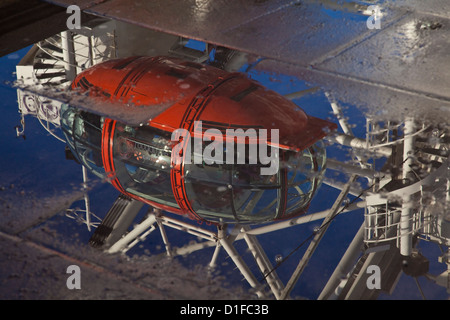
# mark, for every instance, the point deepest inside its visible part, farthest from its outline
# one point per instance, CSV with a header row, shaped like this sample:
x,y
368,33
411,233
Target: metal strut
x,y
317,237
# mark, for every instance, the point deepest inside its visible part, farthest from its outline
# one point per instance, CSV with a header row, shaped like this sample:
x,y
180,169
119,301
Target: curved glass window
x,y
305,172
83,132
216,192
142,162
230,193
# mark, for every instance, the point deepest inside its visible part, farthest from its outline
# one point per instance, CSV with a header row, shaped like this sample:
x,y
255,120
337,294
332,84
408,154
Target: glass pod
x,y
139,162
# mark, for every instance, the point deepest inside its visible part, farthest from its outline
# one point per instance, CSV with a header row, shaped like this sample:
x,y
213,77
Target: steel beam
x,y
315,241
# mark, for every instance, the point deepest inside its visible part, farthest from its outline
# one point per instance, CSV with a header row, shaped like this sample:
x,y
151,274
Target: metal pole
x,y
86,198
352,169
68,54
239,262
339,115
358,143
299,94
315,242
344,266
264,264
347,130
187,227
300,220
133,234
212,264
164,237
407,210
261,230
188,249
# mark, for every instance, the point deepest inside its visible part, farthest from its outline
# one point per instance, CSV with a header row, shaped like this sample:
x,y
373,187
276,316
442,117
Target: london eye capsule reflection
x,y
225,149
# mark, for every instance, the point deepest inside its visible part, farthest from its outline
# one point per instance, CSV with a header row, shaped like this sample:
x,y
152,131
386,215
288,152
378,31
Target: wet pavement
x,y
327,42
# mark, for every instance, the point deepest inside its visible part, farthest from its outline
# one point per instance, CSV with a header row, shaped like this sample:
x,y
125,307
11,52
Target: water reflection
x,y
377,155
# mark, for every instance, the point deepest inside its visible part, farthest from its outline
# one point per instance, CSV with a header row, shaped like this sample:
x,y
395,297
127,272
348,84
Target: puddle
x,y
368,93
